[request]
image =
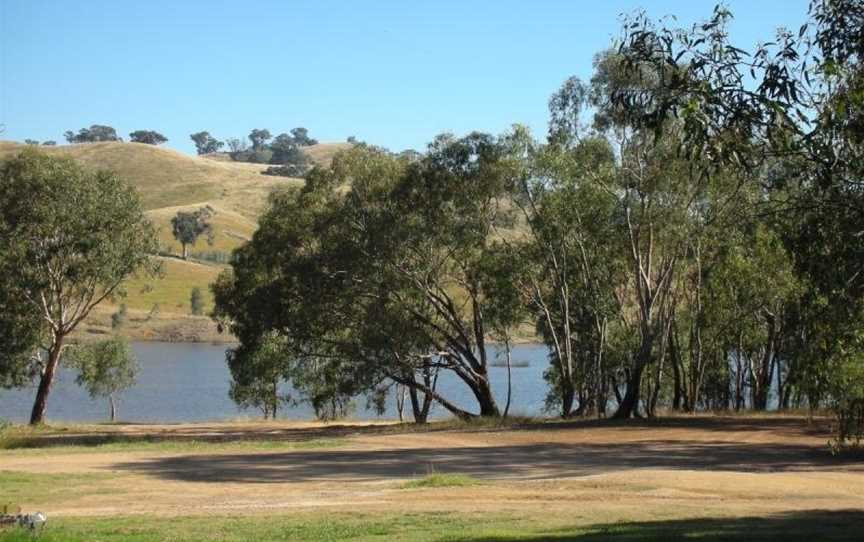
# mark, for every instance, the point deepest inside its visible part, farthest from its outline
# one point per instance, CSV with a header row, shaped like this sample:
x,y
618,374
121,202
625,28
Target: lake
x,y
188,382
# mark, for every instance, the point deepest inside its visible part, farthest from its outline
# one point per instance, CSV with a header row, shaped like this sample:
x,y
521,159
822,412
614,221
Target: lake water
x,y
184,382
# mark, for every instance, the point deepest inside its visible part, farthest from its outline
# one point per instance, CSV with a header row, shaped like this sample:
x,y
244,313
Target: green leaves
x,y
104,368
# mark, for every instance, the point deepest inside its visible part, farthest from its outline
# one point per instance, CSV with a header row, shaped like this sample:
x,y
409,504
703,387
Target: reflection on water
x,y
184,382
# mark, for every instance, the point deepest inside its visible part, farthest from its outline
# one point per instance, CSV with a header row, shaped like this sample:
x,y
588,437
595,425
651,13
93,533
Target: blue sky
x,y
391,73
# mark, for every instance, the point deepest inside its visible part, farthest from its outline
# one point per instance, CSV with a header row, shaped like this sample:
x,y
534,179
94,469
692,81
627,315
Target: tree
x,y
69,237
301,137
804,111
187,226
30,142
205,143
119,318
105,369
567,268
147,136
49,143
383,282
21,330
95,133
257,374
196,301
259,138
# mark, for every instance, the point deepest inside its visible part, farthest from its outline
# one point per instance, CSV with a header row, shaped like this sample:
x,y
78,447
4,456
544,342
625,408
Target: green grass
x,y
500,527
50,488
442,480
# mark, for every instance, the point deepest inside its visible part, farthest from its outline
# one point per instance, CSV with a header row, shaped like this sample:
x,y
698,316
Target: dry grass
x,y
706,477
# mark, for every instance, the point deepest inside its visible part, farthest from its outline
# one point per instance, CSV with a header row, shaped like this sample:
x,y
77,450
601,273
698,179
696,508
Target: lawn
x,y
803,526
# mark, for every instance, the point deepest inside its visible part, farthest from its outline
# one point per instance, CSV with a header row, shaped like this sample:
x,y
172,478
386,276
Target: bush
x,y
284,171
196,301
261,156
119,317
848,403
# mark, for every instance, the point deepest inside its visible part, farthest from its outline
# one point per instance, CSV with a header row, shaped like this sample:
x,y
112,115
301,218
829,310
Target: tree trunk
x,y
112,408
568,397
676,373
400,402
485,399
628,408
509,381
37,415
185,251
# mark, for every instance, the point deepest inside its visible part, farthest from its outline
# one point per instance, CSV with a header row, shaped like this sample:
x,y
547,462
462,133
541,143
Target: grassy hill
x,y
169,181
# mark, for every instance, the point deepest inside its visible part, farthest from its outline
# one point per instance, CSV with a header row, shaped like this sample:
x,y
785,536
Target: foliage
x,y
119,318
188,226
147,136
301,137
387,282
259,138
95,133
105,368
205,143
258,372
69,237
196,301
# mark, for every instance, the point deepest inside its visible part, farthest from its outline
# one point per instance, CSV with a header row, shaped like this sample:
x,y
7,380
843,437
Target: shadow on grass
x,y
506,462
806,525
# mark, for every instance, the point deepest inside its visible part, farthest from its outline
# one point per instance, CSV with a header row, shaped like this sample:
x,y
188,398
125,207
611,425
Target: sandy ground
x,y
695,467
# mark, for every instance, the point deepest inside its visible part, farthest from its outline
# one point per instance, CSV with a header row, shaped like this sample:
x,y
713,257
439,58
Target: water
x,y
185,382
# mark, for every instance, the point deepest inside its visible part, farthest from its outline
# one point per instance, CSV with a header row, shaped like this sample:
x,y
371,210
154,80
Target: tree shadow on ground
x,y
216,433
510,462
806,525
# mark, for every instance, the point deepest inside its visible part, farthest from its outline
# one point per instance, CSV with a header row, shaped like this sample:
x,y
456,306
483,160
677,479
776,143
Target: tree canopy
x,y
68,239
93,134
147,136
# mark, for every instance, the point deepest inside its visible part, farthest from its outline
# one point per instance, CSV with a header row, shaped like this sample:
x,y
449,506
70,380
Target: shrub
x,y
196,301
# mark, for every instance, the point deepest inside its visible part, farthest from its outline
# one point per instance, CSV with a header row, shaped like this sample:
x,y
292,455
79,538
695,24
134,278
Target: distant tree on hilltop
x,y
96,132
147,136
259,138
301,137
205,143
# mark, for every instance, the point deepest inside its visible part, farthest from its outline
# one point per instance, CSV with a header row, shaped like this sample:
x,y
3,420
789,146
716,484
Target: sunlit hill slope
x,y
169,181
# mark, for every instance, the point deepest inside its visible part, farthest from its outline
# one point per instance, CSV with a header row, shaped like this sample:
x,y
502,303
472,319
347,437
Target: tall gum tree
x,y
68,239
374,270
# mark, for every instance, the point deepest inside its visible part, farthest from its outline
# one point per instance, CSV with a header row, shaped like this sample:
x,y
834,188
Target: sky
x,y
392,73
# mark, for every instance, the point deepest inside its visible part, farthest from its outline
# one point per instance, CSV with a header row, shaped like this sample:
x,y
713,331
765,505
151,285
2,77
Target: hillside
x,y
169,181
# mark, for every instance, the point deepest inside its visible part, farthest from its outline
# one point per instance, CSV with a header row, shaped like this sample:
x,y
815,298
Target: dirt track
x,y
733,464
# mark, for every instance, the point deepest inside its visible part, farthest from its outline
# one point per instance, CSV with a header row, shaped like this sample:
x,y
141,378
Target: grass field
x,y
168,182
808,527
682,478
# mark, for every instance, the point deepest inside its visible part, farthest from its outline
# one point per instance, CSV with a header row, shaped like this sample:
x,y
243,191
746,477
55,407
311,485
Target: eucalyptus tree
x,y
206,143
569,260
149,137
188,226
798,99
375,270
68,239
259,373
105,369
